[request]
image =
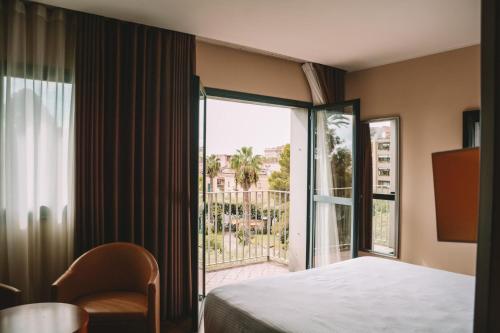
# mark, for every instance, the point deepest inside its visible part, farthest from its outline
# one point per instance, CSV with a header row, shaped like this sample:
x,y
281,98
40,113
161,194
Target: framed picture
x,y
471,129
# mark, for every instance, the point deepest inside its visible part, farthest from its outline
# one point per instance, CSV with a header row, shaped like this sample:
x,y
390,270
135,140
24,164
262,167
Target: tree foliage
x,y
246,166
342,160
212,169
341,156
280,180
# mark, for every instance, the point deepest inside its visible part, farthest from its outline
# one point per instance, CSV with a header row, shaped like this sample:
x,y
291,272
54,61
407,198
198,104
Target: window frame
x,y
397,194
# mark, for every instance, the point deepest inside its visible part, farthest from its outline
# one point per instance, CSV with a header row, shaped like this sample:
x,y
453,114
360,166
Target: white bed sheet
x,y
366,294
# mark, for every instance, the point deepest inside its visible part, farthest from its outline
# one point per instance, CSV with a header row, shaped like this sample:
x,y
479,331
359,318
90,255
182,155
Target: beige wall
x,y
232,69
429,94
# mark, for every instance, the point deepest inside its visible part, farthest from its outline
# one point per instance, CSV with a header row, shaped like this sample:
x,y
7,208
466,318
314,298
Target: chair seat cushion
x,y
115,306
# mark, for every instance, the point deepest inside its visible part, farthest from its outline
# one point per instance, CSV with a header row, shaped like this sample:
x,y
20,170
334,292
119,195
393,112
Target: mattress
x,y
365,294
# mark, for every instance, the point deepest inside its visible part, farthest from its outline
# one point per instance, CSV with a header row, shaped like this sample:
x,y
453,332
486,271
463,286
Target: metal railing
x,y
381,222
246,226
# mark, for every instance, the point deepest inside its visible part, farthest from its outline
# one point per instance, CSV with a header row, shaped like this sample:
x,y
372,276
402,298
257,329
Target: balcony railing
x,y
383,220
246,226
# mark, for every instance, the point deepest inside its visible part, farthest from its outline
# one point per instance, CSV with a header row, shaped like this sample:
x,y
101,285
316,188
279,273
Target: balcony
x,y
246,227
247,234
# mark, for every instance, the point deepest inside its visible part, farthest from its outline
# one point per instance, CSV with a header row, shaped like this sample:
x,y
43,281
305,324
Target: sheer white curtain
x,y
326,237
327,249
36,147
317,94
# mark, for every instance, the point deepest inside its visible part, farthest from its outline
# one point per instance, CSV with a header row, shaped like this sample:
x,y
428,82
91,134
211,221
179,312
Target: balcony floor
x,y
242,273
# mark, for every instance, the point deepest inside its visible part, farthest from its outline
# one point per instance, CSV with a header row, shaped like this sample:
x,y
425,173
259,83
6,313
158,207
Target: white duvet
x,y
366,294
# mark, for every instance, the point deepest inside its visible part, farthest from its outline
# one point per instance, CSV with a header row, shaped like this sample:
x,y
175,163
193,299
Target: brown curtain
x,y
134,133
326,83
332,83
365,225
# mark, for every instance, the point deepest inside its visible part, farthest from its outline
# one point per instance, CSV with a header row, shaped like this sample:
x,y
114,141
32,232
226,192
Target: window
x,y
384,183
383,224
384,159
384,146
384,172
36,130
220,184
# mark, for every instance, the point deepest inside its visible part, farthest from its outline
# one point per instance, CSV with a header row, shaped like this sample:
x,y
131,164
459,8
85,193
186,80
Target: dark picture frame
x,y
471,129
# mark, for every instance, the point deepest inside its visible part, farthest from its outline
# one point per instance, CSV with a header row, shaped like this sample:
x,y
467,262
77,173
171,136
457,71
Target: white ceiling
x,y
350,34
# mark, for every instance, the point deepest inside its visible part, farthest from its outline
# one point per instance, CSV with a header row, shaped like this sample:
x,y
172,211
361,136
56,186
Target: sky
x,y
231,125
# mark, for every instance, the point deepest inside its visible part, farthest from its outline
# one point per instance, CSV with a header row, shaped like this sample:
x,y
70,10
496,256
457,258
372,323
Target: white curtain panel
x,y
326,247
318,97
36,150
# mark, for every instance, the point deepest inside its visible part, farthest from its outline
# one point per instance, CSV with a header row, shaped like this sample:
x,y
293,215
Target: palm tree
x,y
337,120
213,169
235,163
247,167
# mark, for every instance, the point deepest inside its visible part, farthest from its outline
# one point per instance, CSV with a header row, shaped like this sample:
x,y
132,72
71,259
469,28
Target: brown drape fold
x,y
365,225
134,133
332,83
327,84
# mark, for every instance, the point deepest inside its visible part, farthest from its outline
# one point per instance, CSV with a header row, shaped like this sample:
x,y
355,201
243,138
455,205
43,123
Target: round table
x,y
44,318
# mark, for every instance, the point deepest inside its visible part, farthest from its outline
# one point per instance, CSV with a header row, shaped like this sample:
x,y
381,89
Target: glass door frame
x,y
210,92
355,103
198,91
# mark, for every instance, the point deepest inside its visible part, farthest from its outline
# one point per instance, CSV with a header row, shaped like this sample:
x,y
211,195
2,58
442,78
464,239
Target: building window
x,y
384,146
384,183
220,184
384,159
384,172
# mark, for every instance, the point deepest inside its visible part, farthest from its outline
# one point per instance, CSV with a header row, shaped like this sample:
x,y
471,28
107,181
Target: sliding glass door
x,y
333,185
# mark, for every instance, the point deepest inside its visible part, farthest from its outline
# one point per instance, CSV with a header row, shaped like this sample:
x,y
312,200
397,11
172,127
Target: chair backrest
x,y
116,267
9,296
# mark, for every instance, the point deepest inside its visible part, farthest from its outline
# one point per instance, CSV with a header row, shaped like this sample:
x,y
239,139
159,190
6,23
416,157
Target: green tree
x,y
247,167
280,180
341,156
235,163
213,169
342,164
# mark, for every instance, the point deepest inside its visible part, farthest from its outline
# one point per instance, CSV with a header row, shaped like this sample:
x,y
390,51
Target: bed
x,y
365,294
